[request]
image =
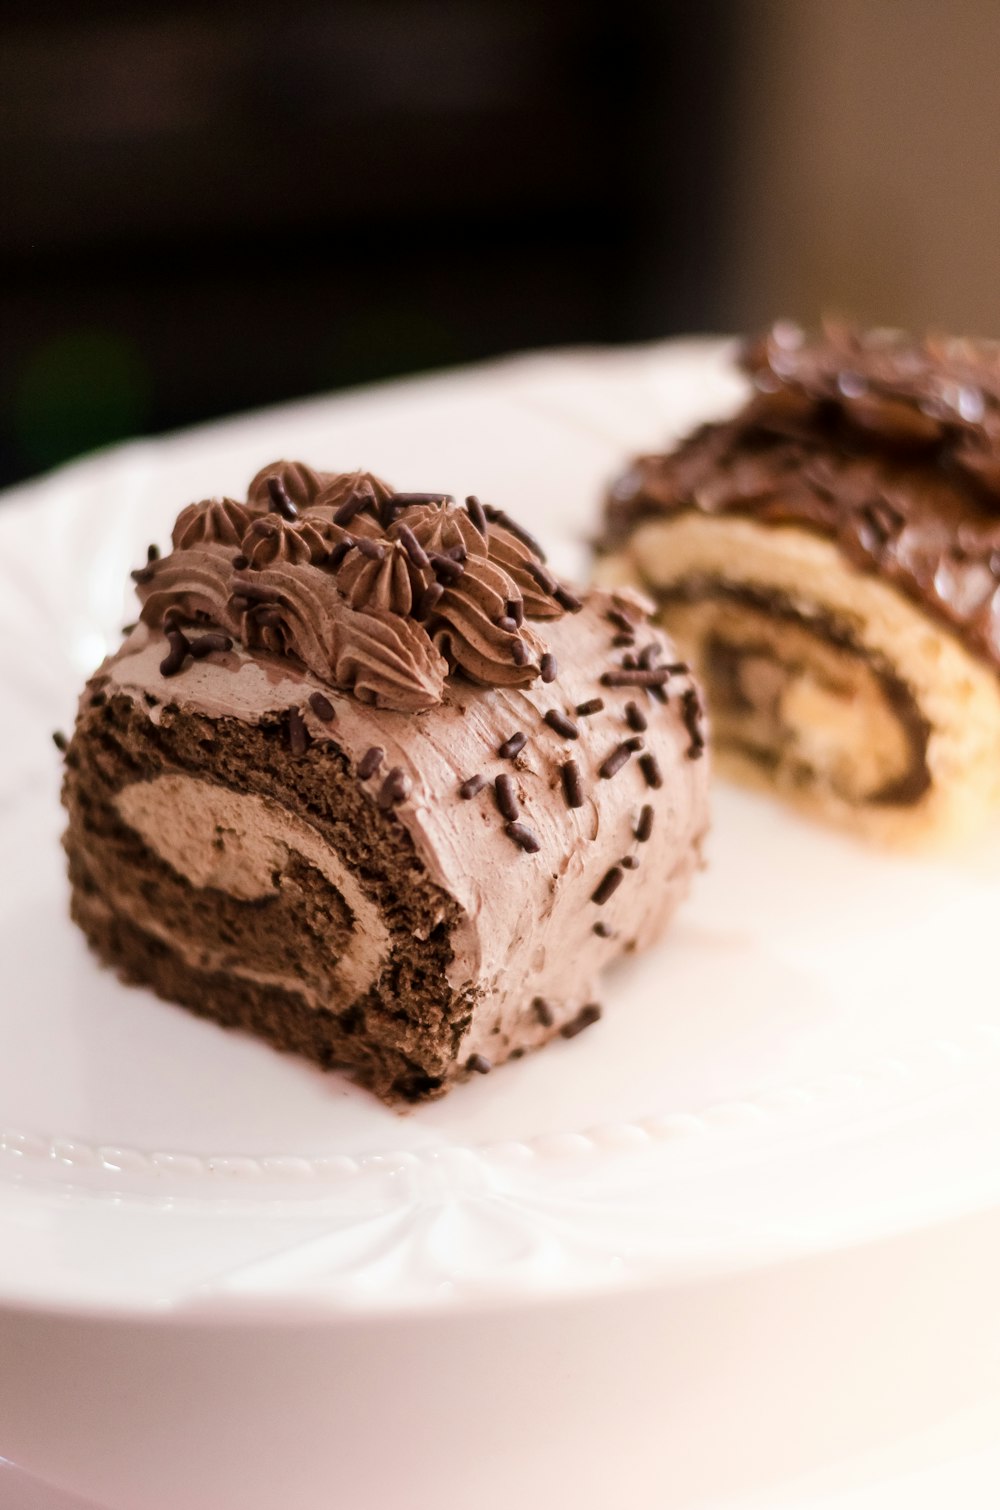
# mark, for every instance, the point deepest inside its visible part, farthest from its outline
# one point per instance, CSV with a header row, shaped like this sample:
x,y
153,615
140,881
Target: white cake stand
x,y
742,1236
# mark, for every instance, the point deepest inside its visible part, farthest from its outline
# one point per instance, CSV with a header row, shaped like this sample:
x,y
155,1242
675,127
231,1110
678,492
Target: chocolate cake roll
x,y
829,561
367,780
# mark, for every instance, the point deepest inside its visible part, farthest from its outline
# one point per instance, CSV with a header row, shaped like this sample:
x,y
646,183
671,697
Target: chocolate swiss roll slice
x,y
367,780
829,562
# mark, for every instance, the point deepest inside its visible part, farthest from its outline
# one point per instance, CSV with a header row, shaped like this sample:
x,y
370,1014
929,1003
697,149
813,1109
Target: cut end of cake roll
x,y
829,562
367,780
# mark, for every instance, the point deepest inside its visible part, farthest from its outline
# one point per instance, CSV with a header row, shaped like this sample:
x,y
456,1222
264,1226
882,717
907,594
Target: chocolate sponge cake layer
x,y
368,780
271,944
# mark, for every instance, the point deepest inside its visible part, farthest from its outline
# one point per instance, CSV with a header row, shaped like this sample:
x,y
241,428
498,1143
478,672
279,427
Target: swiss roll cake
x,y
367,780
828,560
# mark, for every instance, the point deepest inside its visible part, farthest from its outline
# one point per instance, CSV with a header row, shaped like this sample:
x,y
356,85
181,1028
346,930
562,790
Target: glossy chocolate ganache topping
x,y
382,594
886,444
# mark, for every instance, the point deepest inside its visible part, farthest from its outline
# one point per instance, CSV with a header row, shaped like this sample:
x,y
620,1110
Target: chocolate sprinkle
x,y
614,762
650,767
280,503
548,667
516,611
604,930
478,1064
350,507
561,724
411,545
476,513
542,576
629,862
519,653
523,838
340,550
621,640
506,799
471,787
620,619
571,784
298,734
322,707
240,563
644,827
592,705
60,741
649,654
640,676
209,644
370,762
507,624
634,742
445,569
567,600
174,660
609,885
543,1011
145,573
585,1018
630,662
395,788
635,718
429,600
373,549
513,745
691,713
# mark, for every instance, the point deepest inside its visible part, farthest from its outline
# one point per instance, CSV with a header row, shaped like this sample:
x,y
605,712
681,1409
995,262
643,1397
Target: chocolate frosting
x,y
383,594
597,769
887,445
301,484
219,521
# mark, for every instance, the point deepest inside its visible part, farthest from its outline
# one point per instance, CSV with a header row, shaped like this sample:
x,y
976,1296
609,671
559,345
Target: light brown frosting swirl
x,y
300,482
386,660
510,553
387,585
213,520
465,628
342,487
270,538
195,584
441,529
399,593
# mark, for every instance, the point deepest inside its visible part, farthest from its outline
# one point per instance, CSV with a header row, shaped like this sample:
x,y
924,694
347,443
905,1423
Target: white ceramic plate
x,y
808,1067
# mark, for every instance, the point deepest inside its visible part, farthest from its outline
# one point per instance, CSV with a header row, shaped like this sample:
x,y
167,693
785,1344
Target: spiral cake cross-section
x,y
368,780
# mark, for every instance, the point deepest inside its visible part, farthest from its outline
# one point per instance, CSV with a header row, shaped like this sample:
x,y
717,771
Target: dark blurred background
x,y
204,210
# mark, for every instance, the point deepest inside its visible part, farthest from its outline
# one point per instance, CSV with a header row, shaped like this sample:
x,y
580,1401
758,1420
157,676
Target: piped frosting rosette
x,y
383,594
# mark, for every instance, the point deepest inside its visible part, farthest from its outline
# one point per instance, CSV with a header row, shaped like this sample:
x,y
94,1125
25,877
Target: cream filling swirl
x,y
241,843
